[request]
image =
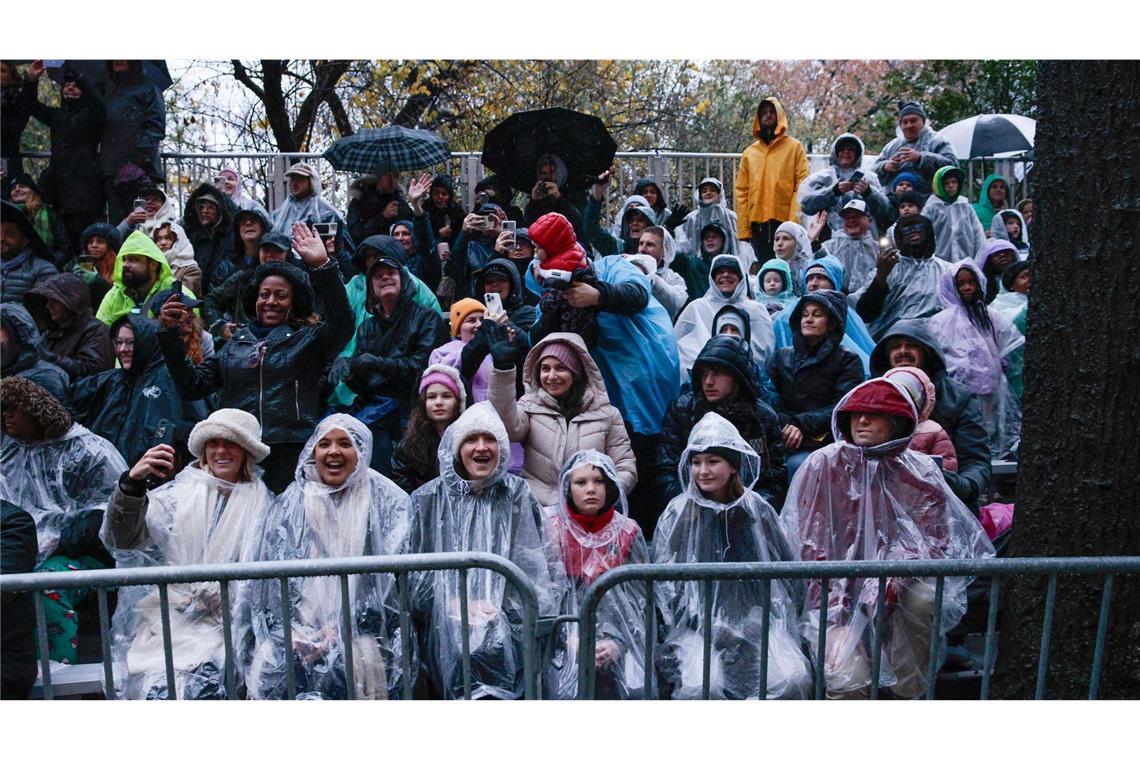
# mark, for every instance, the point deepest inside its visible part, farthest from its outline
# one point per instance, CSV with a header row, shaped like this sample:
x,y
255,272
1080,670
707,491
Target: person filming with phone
x,y
843,180
549,194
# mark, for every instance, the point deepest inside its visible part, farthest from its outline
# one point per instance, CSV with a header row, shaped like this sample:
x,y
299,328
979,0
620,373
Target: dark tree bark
x,y
1078,491
269,88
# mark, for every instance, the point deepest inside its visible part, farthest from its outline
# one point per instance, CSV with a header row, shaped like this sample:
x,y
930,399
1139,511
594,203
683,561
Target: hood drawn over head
x,y
781,118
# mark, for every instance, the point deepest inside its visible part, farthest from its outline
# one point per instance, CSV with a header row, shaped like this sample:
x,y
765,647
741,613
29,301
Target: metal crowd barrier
x,y
400,565
994,569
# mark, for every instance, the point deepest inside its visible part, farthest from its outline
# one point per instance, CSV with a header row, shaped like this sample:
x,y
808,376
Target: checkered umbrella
x,y
391,148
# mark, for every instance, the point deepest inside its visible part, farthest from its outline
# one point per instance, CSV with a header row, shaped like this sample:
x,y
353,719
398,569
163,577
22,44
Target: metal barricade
x,y
400,565
994,569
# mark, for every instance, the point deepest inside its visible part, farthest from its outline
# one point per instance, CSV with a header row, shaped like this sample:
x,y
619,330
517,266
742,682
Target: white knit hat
x,y
231,425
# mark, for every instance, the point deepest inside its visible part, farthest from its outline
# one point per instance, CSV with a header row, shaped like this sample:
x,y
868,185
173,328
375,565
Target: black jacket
x,y
18,546
213,246
135,124
82,345
520,313
809,384
226,303
392,351
957,410
16,104
756,422
536,208
125,405
366,209
450,215
276,378
26,357
73,182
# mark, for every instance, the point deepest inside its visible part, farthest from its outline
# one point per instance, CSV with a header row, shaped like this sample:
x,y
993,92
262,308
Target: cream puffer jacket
x,y
548,439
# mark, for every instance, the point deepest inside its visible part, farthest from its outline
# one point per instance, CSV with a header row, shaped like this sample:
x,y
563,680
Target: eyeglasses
x,y
123,343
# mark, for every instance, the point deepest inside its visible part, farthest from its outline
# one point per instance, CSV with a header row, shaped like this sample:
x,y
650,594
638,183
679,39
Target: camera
x,y
325,229
481,197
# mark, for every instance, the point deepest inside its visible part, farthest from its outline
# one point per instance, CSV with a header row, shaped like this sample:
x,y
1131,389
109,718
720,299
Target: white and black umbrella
x,y
989,135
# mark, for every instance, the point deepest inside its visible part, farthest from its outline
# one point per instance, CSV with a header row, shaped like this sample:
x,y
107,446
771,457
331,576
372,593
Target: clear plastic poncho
x,y
697,528
912,292
689,233
979,359
196,519
55,480
957,232
887,502
367,515
497,514
585,556
694,325
859,257
802,258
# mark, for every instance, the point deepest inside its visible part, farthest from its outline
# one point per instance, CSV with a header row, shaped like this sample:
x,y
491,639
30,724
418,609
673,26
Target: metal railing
x,y
994,569
677,172
400,565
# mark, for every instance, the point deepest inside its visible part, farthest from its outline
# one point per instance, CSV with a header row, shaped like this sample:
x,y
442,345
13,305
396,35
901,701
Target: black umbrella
x,y
513,147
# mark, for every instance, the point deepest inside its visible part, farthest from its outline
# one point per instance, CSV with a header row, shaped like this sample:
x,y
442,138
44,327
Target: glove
x,y
87,275
504,355
677,216
363,372
491,332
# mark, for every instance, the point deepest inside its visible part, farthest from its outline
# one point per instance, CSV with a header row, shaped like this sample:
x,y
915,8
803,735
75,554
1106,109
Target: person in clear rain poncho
x,y
719,518
476,505
957,230
336,507
711,207
727,285
207,515
592,533
843,180
976,342
61,474
869,497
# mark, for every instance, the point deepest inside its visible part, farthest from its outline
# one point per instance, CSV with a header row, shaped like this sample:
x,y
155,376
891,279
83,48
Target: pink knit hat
x,y
564,353
442,378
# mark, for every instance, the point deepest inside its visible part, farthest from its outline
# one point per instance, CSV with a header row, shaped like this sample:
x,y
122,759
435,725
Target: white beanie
x,y
233,425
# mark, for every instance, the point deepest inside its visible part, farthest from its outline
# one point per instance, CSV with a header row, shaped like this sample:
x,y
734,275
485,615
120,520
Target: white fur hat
x,y
232,425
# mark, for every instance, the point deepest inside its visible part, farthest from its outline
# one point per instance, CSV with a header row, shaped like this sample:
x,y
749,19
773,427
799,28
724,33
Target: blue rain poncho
x,y
786,296
698,528
497,514
366,515
585,555
887,502
196,519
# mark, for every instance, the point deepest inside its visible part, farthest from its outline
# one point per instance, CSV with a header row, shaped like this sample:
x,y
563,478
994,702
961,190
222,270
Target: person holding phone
x,y
208,514
550,194
843,180
377,203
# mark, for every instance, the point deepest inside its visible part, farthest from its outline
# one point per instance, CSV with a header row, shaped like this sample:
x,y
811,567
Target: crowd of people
x,y
573,393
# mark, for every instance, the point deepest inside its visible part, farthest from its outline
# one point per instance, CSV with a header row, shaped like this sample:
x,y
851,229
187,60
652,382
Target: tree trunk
x,y
1078,491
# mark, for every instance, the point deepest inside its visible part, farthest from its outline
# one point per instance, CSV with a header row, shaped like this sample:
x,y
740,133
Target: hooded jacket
x,y
520,314
62,481
802,258
808,382
884,502
73,182
549,439
911,289
958,233
451,215
135,124
769,175
240,198
689,233
935,149
118,302
81,344
366,515
696,527
496,514
214,246
999,232
31,266
993,277
957,410
856,338
589,545
984,207
274,373
694,267
694,326
858,256
928,437
392,351
752,417
366,209
423,260
661,207
96,285
786,296
616,239
26,357
820,191
125,406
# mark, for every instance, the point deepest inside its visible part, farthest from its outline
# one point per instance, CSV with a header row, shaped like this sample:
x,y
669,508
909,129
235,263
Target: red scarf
x,y
585,564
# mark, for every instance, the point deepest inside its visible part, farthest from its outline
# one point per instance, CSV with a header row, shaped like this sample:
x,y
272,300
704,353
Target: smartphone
x,y
163,433
140,204
856,176
510,226
176,289
494,303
